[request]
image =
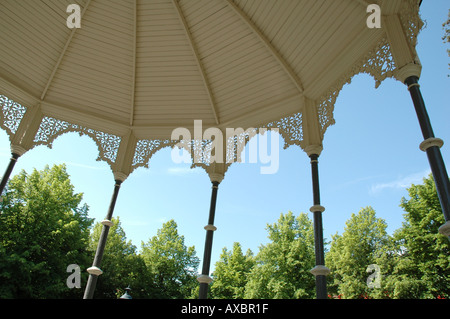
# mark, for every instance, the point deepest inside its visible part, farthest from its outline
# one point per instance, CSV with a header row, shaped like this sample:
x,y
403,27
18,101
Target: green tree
x,y
351,253
171,265
121,265
417,264
43,229
231,273
282,269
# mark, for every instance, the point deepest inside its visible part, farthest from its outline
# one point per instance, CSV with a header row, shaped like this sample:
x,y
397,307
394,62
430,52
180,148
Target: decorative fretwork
x,y
290,128
325,111
51,128
378,62
199,150
236,143
203,153
12,114
411,21
145,149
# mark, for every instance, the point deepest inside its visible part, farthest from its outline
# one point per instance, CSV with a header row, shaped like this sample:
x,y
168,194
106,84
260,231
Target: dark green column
x,y
95,271
204,278
320,271
431,145
8,171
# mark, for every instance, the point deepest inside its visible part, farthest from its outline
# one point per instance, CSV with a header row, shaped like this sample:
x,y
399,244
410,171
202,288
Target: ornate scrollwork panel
x,y
51,128
12,114
145,149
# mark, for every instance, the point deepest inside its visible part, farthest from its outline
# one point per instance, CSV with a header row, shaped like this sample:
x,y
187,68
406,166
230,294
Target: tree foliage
x,y
352,252
121,264
231,273
282,266
413,263
43,229
172,265
417,265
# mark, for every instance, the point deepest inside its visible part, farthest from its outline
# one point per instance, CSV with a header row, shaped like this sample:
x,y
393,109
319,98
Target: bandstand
x,y
127,73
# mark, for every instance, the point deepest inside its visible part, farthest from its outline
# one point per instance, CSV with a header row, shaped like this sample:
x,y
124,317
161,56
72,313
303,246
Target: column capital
x,y
410,69
119,176
216,177
17,149
313,149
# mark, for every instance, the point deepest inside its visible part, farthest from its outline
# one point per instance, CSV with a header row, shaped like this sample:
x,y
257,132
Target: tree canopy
x,y
231,273
45,227
172,265
121,265
417,262
282,266
352,252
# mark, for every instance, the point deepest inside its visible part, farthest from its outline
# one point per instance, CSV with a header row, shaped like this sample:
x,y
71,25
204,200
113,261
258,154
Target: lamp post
x,y
126,295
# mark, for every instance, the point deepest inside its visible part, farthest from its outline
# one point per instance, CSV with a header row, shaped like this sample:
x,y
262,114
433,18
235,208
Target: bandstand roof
x,y
137,69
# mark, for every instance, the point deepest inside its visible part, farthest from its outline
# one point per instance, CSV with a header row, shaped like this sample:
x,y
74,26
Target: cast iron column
x,y
320,271
431,145
204,278
8,171
95,270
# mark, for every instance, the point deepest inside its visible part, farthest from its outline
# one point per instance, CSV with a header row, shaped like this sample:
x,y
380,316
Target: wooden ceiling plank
x,y
133,69
197,59
61,56
287,68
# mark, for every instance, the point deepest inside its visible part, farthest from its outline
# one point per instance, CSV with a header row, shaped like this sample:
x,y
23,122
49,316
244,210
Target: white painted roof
x,y
141,68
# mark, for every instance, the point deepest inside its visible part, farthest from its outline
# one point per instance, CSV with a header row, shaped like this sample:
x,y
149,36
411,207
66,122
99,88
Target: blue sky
x,y
370,156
